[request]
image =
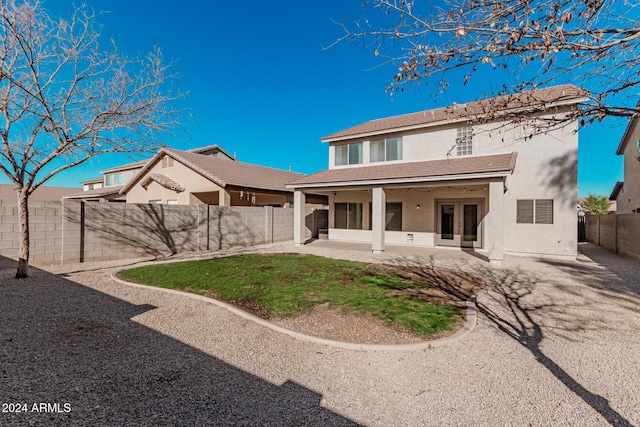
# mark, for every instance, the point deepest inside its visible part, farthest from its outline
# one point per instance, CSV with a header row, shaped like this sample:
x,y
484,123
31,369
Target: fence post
x,y
268,224
615,234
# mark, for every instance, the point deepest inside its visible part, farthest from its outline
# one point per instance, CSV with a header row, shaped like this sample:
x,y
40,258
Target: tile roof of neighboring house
x,y
428,169
224,172
93,181
163,180
126,166
98,192
537,99
7,191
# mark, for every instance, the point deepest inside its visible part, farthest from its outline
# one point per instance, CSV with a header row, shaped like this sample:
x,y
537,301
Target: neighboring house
x,y
43,193
627,193
189,178
107,188
461,176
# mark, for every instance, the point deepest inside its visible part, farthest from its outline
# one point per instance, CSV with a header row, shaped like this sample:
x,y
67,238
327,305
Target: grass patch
x,y
283,285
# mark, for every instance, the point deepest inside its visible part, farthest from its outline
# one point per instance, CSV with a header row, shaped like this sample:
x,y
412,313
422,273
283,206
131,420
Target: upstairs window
x,y
464,141
388,149
348,154
113,179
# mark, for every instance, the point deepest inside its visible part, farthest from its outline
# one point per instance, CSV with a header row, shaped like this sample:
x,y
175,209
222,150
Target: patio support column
x,y
298,218
378,213
495,223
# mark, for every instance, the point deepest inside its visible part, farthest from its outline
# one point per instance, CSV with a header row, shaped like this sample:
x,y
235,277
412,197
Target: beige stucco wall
x,y
194,184
192,181
546,168
629,197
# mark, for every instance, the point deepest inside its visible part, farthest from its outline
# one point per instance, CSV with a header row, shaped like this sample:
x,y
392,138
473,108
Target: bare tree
x,y
64,98
594,44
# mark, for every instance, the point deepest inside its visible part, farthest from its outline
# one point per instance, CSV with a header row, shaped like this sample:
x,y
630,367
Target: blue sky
x,y
262,87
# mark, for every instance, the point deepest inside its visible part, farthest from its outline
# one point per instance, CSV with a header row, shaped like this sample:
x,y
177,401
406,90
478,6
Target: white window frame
x,y
534,211
385,149
464,141
349,157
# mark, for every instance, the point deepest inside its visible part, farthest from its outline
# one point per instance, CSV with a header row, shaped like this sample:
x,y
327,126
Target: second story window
x,y
348,154
386,150
464,141
113,179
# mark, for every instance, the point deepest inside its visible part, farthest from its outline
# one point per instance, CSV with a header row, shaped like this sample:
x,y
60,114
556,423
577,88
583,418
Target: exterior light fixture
x,y
418,206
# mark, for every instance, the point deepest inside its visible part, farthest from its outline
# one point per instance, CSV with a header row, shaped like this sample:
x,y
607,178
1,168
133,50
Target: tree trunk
x,y
23,219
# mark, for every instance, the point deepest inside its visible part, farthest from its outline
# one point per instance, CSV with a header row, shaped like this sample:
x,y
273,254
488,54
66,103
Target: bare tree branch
x,y
64,98
594,44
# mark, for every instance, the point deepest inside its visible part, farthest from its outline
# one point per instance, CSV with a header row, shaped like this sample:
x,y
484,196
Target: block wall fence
x,y
618,233
72,231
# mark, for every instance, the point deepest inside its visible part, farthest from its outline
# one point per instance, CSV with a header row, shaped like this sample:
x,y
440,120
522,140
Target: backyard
x,y
428,302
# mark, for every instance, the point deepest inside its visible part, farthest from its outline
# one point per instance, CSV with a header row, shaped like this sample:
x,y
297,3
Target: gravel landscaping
x,y
556,343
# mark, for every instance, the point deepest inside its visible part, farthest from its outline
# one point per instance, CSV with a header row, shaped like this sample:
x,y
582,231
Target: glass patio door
x,y
458,224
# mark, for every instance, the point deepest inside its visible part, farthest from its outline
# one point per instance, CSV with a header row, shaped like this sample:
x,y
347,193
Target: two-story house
x,y
626,194
473,175
107,187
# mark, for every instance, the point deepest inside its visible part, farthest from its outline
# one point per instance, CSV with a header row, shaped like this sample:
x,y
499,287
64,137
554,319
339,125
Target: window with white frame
x,y
348,154
388,149
464,141
113,178
538,211
155,201
348,216
172,202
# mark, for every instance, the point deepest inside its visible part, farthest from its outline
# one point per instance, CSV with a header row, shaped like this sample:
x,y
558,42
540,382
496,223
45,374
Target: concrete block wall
x,y
45,228
629,235
619,233
72,231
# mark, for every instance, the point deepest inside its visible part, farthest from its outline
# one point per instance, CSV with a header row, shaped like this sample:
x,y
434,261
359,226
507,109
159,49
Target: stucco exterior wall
x,y
628,199
192,181
546,168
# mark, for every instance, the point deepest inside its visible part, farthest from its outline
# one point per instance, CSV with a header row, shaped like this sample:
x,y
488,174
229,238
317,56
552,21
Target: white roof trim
x,y
396,181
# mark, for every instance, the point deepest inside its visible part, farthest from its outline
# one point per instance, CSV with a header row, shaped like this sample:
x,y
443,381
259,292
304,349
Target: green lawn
x,y
284,285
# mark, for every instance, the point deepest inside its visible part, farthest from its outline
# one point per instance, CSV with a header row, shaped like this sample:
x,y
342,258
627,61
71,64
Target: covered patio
x,y
441,203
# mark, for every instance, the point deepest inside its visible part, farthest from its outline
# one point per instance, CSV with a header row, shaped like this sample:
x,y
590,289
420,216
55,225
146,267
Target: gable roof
x,y
633,122
223,172
431,170
616,190
537,100
96,192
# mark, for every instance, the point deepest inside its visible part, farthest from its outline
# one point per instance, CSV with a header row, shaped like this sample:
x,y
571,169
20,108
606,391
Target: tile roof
x,y
486,108
97,192
429,169
7,191
163,180
224,172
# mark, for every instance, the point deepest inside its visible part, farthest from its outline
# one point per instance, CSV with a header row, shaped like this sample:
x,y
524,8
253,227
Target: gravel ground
x,y
557,343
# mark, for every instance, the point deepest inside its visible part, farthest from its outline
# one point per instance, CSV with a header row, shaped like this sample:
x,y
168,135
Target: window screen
x,y
544,211
525,212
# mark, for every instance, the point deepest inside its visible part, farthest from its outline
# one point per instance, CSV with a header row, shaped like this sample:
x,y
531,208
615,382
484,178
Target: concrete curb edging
x,y
469,325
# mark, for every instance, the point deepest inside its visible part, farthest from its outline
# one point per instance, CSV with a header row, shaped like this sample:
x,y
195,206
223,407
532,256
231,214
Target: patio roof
x,y
432,170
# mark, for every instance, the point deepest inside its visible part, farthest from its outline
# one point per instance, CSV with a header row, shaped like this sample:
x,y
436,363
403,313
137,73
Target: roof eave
x,y
472,118
396,181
